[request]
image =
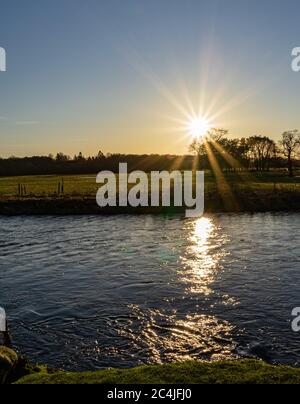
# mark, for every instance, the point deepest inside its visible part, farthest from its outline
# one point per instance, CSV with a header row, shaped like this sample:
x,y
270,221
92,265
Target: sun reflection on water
x,y
170,333
203,255
165,337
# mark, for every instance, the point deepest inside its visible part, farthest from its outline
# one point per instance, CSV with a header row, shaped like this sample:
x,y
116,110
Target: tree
x,y
290,144
80,157
198,144
236,151
261,149
216,134
62,157
100,155
201,145
198,147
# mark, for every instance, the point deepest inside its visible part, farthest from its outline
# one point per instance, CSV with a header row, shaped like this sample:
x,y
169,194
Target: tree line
x,y
257,153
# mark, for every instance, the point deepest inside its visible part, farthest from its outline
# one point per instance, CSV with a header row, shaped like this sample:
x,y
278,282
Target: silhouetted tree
x,y
247,153
61,157
80,157
290,144
100,155
216,134
200,145
261,150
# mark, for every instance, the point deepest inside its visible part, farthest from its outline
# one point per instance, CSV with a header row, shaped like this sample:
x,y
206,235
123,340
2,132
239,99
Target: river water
x,y
92,292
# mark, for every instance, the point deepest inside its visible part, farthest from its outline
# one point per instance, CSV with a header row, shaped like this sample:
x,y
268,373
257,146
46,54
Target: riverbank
x,y
17,370
76,195
243,201
235,372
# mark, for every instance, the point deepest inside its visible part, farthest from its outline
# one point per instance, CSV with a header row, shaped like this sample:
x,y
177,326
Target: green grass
x,y
47,186
230,372
230,192
85,185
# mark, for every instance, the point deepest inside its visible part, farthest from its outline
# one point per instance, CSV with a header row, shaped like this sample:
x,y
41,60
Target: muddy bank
x,y
259,201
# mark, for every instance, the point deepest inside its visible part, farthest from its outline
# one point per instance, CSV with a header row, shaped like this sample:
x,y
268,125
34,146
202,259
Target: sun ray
x,y
234,163
196,162
177,164
146,71
223,186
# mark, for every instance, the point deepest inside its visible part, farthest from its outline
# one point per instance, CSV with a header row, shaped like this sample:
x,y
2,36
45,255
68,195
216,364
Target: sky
x,y
128,75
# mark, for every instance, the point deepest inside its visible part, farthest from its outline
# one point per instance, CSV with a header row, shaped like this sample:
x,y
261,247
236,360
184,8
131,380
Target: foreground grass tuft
x,y
230,372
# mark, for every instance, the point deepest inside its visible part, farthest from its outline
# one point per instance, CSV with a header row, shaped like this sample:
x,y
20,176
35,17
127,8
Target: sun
x,y
198,127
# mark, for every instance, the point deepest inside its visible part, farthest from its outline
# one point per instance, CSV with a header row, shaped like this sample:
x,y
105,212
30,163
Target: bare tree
x,y
214,135
261,151
290,144
197,147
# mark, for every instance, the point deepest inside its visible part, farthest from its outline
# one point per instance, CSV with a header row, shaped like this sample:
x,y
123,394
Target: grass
x,y
47,186
85,185
231,192
230,372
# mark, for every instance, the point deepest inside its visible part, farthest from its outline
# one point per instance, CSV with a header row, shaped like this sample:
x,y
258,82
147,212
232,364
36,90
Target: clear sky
x,y
124,75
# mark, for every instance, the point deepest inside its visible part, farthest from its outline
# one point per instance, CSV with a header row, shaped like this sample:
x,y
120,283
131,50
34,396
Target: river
x,y
89,292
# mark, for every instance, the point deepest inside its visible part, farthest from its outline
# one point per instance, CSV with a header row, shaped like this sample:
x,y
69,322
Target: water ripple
x,y
92,292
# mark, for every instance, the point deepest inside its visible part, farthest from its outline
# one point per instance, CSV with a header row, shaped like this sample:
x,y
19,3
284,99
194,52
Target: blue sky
x,y
121,75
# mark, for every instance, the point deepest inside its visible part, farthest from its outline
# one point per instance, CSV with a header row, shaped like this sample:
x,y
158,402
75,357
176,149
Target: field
x,y
85,185
227,192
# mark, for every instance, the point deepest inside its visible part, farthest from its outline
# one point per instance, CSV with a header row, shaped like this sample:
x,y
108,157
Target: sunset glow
x,y
198,127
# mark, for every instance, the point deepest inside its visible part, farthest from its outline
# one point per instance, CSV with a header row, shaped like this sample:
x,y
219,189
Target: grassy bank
x,y
234,192
236,372
47,186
